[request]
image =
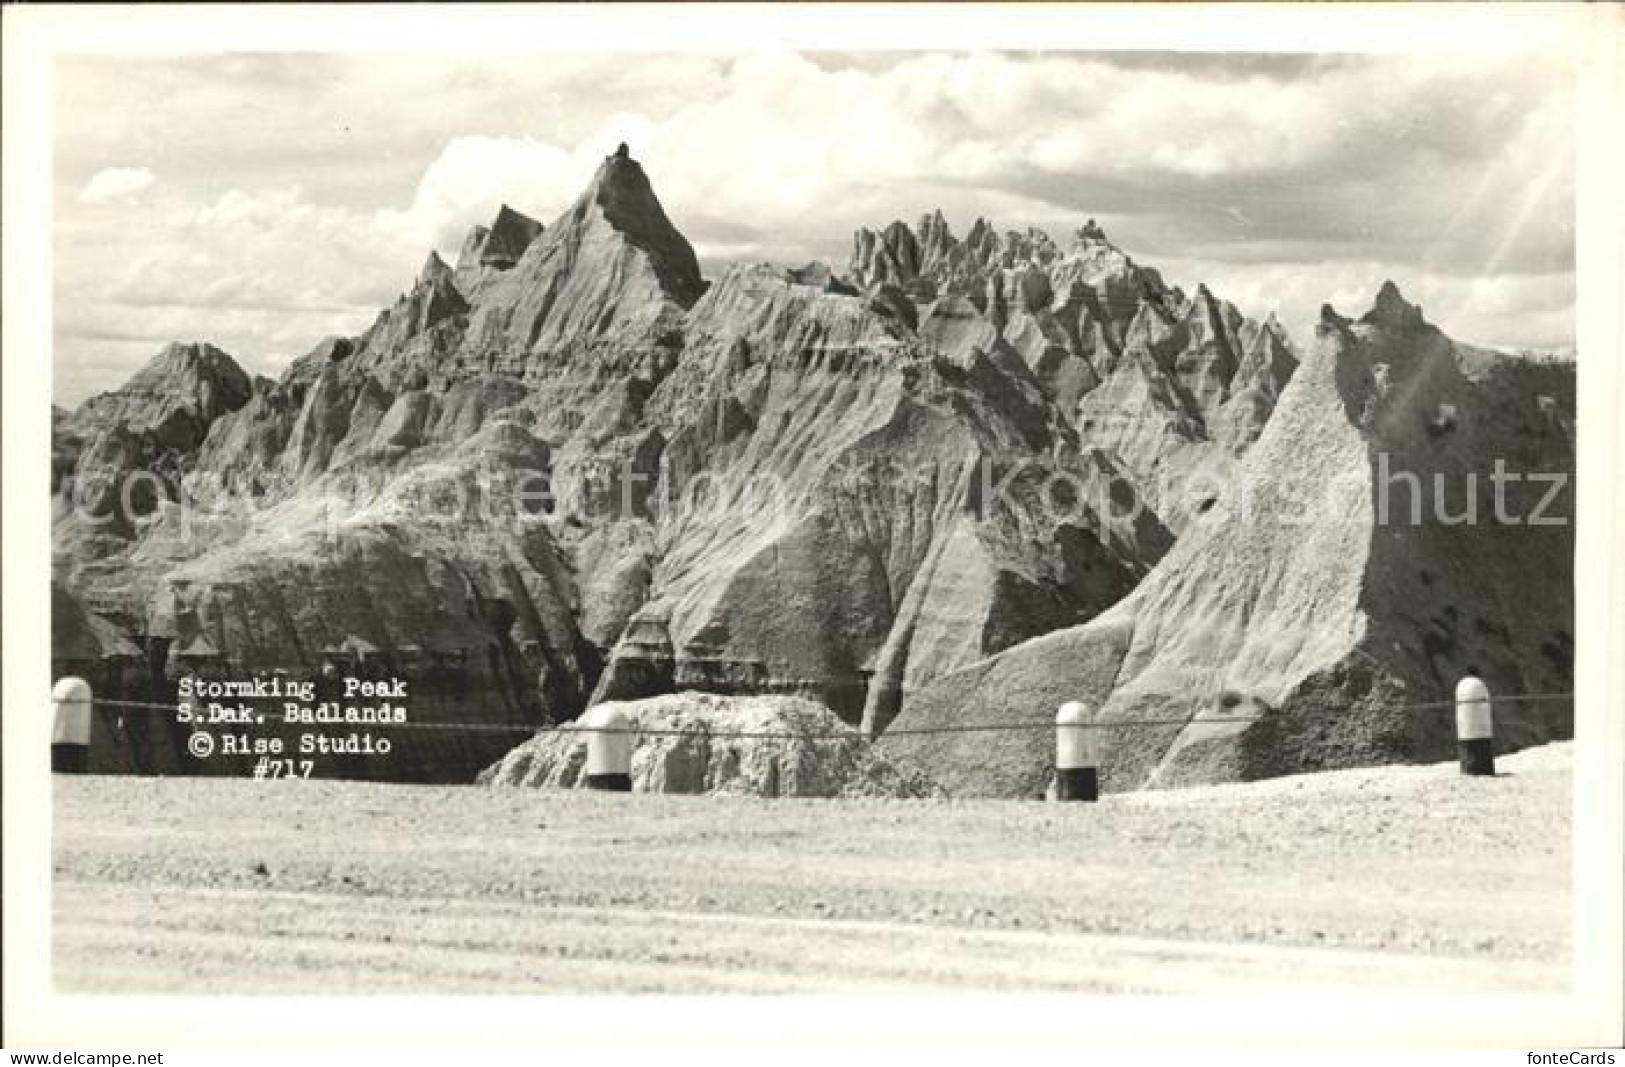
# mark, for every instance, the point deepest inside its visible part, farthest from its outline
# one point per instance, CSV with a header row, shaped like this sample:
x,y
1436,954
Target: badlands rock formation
x,y
1356,565
569,468
1176,387
688,746
151,425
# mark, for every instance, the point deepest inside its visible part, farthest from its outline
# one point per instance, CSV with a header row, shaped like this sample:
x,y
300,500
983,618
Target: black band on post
x,y
1077,783
610,783
69,759
1477,756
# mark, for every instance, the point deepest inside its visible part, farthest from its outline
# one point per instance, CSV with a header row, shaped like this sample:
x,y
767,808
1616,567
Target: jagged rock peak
x,y
497,246
928,258
332,349
622,193
468,257
434,269
1391,309
196,361
1090,232
510,233
1330,320
933,232
818,274
199,353
179,392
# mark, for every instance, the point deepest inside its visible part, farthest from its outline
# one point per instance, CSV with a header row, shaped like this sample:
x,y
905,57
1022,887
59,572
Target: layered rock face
x,y
151,425
174,398
85,645
691,743
569,469
1357,564
1175,387
612,265
392,487
822,484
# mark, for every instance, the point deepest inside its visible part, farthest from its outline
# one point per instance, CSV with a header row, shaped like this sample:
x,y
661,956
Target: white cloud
x,y
116,183
472,176
263,273
1506,311
1280,191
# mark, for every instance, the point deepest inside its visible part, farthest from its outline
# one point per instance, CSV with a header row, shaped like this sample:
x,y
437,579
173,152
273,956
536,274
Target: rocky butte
x,y
956,481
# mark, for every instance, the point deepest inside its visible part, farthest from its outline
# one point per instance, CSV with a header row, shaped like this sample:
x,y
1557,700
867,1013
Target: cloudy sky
x,y
263,201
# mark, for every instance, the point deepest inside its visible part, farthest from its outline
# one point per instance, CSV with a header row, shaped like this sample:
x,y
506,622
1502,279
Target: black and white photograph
x,y
665,518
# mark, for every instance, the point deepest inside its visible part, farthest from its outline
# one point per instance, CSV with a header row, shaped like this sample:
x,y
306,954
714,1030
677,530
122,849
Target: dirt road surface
x,y
1384,879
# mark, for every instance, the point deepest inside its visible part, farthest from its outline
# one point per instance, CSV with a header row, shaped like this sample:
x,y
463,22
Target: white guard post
x,y
1475,727
70,730
1077,761
609,749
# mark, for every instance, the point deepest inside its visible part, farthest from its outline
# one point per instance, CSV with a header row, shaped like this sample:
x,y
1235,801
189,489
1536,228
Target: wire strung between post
x,y
1196,719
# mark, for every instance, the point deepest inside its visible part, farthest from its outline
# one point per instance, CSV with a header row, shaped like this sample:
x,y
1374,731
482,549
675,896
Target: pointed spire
x,y
1391,309
434,269
468,257
511,232
622,195
1330,321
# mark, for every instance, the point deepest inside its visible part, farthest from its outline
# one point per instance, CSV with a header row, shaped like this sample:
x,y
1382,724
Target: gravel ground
x,y
1407,876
